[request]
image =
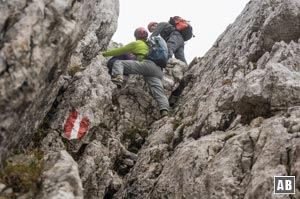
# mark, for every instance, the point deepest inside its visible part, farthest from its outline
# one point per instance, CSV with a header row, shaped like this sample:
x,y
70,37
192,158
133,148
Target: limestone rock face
x,y
234,126
119,121
36,41
61,177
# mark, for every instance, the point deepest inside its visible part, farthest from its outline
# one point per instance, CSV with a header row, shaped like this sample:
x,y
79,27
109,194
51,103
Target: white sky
x,y
209,19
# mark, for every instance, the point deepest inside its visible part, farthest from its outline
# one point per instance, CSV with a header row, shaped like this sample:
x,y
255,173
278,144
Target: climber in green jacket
x,y
151,72
138,48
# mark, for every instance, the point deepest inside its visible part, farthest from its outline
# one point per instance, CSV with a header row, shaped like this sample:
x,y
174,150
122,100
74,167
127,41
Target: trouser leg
x,y
153,76
158,93
145,68
179,54
175,42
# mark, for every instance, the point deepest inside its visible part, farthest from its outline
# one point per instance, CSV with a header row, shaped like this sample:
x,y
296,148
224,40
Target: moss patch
x,y
227,137
22,173
176,124
72,71
227,82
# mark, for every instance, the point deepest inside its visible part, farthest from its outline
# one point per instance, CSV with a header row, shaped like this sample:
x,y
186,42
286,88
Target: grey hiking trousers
x,y
152,73
176,46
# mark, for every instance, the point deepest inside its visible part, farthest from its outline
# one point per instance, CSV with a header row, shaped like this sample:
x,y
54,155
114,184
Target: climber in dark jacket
x,y
173,38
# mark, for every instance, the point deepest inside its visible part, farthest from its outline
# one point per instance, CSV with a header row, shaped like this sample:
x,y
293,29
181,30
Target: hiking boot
x,y
164,113
118,80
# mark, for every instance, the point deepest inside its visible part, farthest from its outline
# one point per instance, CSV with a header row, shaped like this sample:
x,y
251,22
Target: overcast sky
x,y
209,19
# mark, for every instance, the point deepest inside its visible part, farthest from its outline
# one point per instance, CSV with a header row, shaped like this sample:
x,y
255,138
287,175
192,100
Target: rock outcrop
x,y
235,125
233,128
36,42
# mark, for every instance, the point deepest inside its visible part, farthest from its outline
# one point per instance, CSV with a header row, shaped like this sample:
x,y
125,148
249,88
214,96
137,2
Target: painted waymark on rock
x,y
76,126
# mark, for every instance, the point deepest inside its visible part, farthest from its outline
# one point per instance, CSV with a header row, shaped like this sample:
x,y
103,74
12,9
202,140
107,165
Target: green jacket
x,y
138,48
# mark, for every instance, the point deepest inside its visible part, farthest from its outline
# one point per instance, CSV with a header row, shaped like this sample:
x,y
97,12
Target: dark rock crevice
x,y
109,192
250,109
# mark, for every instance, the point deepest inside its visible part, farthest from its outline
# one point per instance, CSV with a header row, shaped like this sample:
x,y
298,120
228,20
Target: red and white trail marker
x,y
76,126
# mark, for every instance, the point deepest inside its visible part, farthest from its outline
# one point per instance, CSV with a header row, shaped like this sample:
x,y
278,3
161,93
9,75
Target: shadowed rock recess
x,y
233,128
